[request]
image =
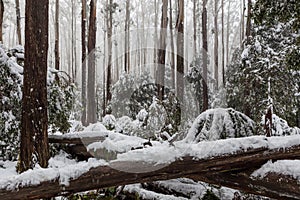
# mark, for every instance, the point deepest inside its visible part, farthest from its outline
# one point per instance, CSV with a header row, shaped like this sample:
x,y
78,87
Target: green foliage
x,y
272,53
209,195
60,103
220,123
268,12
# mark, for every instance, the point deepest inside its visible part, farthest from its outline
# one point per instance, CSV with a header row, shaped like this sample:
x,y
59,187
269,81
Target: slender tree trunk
x,y
162,50
204,56
243,23
155,37
247,106
91,88
223,46
34,123
228,33
83,61
56,48
216,46
1,20
127,37
18,22
180,50
72,40
172,47
248,28
195,27
109,64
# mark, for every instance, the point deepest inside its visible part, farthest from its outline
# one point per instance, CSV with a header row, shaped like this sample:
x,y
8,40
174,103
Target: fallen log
x,y
216,170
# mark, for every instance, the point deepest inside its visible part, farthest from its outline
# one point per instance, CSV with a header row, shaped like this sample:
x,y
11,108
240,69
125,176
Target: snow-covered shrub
x,y
109,121
124,125
220,123
280,126
132,95
60,102
270,55
11,79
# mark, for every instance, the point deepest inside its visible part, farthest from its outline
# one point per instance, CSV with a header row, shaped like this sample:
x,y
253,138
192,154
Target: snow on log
x,y
224,167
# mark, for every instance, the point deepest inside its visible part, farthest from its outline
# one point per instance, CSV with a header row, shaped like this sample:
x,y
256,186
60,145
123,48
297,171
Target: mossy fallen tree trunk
x,y
226,170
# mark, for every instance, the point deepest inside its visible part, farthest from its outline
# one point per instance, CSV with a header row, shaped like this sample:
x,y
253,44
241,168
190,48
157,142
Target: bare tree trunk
x,y
228,33
56,48
247,106
172,48
83,61
204,56
127,36
18,22
162,50
109,64
34,123
1,20
72,40
155,37
242,23
248,28
223,46
195,27
180,50
216,46
91,88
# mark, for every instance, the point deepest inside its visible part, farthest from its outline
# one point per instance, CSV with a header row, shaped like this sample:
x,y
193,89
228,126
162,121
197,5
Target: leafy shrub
x,y
60,103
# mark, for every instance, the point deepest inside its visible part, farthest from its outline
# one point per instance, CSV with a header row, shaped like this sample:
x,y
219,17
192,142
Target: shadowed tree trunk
x,y
204,56
56,48
195,27
91,88
172,47
223,46
127,37
216,45
228,33
162,50
83,61
1,20
242,23
34,123
109,62
180,50
18,22
247,106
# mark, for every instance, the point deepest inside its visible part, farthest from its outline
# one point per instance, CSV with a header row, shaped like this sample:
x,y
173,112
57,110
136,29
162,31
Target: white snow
x,y
285,167
146,194
60,167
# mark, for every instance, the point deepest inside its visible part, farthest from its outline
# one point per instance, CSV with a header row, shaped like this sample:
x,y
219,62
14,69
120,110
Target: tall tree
x,y
1,20
162,50
34,123
223,45
227,32
172,47
195,27
127,37
18,21
83,61
56,48
248,27
204,56
180,50
216,45
242,36
91,87
110,11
